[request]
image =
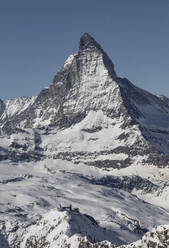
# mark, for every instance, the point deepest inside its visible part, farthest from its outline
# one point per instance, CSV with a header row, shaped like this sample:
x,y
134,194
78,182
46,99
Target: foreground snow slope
x,y
64,229
28,190
158,237
67,227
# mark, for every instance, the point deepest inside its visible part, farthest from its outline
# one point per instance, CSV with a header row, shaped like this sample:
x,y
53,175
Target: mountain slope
x,y
63,229
30,190
158,237
13,107
90,115
67,227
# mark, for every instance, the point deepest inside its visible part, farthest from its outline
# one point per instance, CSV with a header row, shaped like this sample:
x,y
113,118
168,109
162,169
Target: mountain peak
x,y
88,42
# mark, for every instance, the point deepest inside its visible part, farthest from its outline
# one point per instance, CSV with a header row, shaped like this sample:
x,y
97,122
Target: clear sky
x,y
36,36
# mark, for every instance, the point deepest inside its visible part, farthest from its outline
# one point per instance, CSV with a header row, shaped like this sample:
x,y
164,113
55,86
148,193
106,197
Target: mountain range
x,y
93,145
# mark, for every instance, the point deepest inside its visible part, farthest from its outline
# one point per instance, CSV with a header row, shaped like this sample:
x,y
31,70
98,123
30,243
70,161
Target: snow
x,y
158,237
35,188
25,140
77,137
69,60
40,120
16,106
5,142
61,228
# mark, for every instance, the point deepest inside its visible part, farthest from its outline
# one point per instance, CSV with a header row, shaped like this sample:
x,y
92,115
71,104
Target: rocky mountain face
x,y
87,101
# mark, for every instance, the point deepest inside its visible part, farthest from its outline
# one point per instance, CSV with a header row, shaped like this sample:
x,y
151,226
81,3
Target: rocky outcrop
x,y
157,238
127,183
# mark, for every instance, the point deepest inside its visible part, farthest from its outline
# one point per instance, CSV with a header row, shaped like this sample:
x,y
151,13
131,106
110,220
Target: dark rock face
x,y
87,42
2,107
127,183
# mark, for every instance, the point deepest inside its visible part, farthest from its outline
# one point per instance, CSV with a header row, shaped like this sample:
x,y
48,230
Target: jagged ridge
x,y
87,87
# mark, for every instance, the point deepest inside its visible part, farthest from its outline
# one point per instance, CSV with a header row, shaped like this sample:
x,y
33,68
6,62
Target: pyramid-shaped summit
x,y
87,41
75,90
95,114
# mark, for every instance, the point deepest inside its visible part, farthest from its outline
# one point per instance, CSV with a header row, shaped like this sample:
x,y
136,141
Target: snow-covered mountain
x,y
11,108
89,115
92,140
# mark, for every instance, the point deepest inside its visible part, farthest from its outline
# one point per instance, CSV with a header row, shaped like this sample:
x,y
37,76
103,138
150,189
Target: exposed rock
x,y
87,90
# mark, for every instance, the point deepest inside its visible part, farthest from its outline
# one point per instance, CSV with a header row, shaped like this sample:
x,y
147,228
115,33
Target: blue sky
x,y
36,36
